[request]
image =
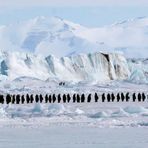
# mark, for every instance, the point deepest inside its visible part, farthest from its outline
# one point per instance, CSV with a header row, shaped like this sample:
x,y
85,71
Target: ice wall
x,y
83,67
139,70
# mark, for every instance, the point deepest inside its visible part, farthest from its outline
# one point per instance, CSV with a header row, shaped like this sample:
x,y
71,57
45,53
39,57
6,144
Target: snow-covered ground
x,y
74,125
61,136
90,114
26,85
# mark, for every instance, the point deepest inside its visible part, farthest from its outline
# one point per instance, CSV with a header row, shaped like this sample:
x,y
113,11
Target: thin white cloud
x,y
31,3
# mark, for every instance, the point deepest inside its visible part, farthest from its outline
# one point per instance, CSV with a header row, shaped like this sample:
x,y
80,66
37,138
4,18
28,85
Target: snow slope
x,y
60,37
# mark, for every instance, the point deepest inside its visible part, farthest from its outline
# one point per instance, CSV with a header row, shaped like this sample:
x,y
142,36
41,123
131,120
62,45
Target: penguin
x,y
89,98
108,98
112,97
41,98
68,98
118,97
143,97
82,98
53,98
31,98
139,97
64,98
103,97
1,99
36,98
59,98
127,97
122,97
50,99
60,83
134,97
46,98
18,99
78,98
27,98
22,99
74,98
13,99
8,98
96,97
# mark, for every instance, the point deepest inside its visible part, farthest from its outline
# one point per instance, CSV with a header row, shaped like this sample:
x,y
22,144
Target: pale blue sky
x,y
86,12
85,15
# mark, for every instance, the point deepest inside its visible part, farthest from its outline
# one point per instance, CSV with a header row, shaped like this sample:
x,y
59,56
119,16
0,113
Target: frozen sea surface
x,y
73,137
89,125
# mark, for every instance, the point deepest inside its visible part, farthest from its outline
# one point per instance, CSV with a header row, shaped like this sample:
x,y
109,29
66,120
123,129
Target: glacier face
x,y
93,67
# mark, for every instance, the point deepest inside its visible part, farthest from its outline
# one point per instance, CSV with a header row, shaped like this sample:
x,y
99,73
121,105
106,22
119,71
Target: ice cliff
x,y
139,70
82,67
